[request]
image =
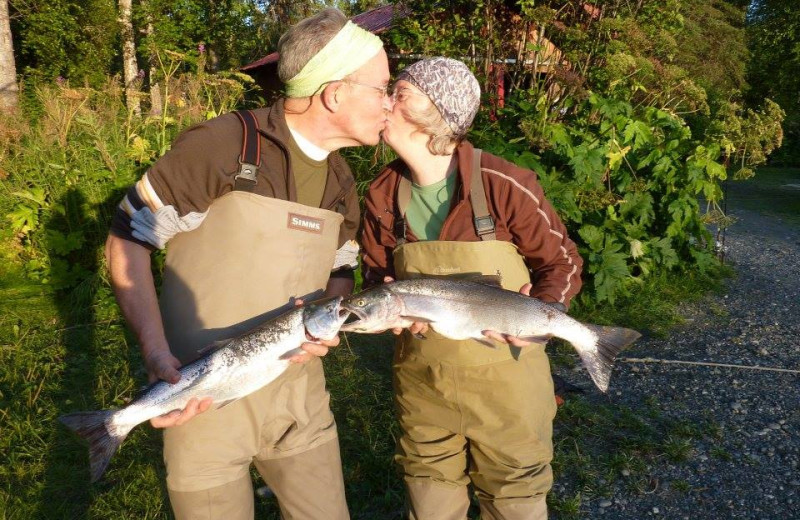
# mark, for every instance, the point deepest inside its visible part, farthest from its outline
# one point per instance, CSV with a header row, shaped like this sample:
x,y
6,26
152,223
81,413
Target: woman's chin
x,y
386,136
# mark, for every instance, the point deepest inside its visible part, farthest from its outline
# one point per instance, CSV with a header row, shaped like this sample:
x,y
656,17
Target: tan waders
x,y
243,265
470,413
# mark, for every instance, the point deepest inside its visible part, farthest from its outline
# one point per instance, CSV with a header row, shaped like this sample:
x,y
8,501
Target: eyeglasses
x,y
384,90
399,95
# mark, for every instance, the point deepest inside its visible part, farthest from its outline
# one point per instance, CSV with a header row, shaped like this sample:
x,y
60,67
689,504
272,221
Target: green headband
x,y
351,48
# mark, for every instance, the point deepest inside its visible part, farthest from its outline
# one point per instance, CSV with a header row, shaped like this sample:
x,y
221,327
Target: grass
x,y
768,193
681,486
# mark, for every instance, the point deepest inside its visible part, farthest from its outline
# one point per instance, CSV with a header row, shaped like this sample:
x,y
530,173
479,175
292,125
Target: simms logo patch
x,y
304,223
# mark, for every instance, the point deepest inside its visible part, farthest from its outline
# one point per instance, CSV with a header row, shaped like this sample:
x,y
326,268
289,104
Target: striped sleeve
x,y
143,217
175,194
539,234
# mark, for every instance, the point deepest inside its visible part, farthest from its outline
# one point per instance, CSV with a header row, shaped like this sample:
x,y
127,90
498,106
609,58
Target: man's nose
x,y
388,103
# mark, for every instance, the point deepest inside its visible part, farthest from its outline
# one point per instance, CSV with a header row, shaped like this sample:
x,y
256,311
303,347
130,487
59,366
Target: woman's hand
x,y
508,338
417,328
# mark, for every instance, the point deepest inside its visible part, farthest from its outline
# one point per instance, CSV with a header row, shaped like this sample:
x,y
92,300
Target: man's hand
x,y
163,365
313,347
178,417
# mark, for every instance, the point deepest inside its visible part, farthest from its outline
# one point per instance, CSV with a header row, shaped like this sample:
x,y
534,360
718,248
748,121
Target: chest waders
x,y
243,265
470,413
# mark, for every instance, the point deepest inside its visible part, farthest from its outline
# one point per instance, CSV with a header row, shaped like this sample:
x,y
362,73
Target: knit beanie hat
x,y
451,86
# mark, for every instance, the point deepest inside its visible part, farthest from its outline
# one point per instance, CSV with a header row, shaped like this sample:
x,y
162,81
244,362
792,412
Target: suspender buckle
x,y
247,171
484,225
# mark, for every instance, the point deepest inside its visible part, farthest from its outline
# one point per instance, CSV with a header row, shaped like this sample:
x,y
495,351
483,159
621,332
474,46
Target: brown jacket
x,y
203,161
522,216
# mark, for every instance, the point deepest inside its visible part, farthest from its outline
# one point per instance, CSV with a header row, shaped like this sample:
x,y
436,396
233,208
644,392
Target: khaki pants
x,y
490,425
286,429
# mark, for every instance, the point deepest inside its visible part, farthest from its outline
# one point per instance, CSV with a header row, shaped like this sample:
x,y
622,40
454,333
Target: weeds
x,y
681,486
65,172
718,452
677,449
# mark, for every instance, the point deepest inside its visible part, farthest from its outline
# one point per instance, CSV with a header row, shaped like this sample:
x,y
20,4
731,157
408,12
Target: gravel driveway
x,y
748,467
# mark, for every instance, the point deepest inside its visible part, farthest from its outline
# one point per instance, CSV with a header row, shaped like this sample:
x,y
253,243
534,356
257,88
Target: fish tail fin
x,y
102,443
600,360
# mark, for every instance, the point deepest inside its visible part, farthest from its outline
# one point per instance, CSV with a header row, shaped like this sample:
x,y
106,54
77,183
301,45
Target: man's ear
x,y
332,96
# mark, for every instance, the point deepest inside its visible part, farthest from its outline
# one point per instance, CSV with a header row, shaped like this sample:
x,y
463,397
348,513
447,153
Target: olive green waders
x,y
470,413
240,267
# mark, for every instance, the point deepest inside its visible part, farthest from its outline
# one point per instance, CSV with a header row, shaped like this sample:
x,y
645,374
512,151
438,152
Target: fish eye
x,y
361,303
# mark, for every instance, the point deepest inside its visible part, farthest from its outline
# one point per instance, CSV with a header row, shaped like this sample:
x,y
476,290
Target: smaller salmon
x,y
239,367
461,309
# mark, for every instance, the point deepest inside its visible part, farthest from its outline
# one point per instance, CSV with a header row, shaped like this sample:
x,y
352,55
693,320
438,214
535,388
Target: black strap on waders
x,y
250,158
403,198
483,221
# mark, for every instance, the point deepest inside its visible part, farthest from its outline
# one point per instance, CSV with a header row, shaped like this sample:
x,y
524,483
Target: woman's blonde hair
x,y
429,121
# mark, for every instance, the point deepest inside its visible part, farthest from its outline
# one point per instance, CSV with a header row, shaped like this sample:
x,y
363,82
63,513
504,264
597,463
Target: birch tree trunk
x,y
130,68
155,88
9,91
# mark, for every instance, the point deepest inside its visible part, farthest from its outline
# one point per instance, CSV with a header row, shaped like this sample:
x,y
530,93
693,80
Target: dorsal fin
x,y
208,349
494,280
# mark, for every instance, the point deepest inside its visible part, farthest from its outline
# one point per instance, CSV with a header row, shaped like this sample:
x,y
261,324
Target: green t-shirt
x,y
309,176
429,207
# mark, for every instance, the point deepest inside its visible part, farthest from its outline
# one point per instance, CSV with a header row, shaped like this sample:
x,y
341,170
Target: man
x,y
241,246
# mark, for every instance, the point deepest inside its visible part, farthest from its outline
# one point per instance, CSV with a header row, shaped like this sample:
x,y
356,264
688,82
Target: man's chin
x,y
371,141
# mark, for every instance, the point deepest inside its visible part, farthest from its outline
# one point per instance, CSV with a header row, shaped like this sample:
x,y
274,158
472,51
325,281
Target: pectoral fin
x,y
535,339
213,346
417,318
226,403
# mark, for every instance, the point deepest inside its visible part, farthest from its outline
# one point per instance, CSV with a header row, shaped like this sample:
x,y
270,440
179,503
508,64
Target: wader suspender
x,y
483,221
250,158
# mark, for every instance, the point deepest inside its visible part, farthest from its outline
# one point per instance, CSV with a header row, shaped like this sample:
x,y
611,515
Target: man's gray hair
x,y
305,39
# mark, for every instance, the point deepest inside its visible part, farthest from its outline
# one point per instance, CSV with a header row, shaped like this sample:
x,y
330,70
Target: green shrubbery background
x,y
637,118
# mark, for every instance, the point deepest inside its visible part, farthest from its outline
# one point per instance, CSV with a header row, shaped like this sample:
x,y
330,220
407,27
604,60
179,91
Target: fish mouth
x,y
354,321
333,305
342,315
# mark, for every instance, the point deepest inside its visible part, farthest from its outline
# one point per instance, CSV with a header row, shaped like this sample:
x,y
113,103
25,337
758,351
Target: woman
x,y
468,413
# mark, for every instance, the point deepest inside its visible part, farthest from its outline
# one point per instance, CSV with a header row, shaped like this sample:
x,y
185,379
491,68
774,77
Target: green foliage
x,y
621,120
625,180
232,32
774,40
69,38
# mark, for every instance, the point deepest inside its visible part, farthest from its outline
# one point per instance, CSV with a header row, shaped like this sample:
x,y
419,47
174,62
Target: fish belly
x,y
224,376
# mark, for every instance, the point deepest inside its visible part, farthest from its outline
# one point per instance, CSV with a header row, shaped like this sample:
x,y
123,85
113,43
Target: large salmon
x,y
463,309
